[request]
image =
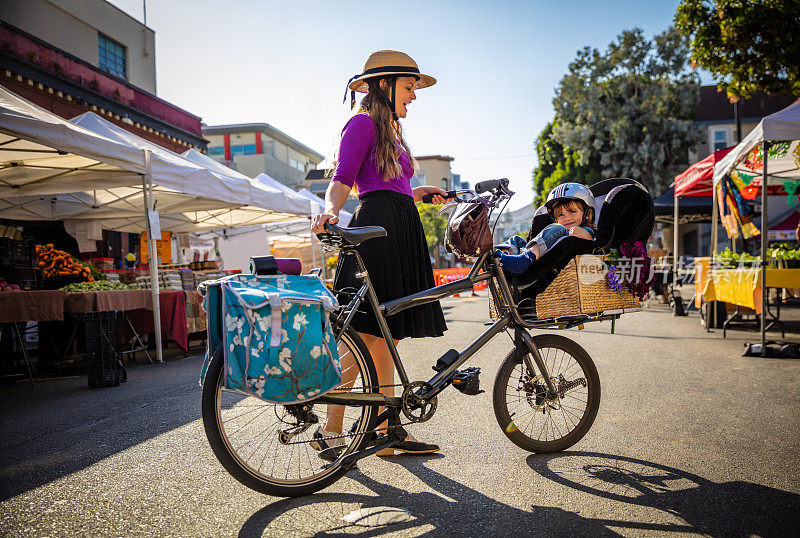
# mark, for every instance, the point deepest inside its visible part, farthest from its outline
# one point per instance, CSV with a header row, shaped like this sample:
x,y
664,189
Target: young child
x,y
571,205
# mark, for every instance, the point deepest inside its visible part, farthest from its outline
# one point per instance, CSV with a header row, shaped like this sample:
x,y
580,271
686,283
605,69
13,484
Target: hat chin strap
x,y
391,99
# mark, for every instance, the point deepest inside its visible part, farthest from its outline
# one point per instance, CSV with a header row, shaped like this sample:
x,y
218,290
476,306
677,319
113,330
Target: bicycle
x,y
546,391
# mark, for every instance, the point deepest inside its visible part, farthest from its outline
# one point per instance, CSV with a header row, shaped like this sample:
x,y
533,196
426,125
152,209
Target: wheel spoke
x,y
544,425
249,438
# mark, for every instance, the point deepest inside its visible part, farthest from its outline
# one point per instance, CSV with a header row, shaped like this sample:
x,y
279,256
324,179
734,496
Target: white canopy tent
x,y
51,169
316,204
770,155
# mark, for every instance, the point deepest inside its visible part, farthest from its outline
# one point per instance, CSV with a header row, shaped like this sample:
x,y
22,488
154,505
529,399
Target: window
x,y
294,163
112,56
444,183
216,151
720,140
246,149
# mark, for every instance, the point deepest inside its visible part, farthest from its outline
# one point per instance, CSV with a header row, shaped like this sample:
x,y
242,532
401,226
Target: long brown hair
x,y
387,130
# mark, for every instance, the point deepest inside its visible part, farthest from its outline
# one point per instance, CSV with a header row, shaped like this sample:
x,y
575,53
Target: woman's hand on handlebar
x,y
318,224
439,195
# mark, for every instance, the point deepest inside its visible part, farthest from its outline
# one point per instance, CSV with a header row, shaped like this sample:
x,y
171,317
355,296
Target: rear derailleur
x,y
304,418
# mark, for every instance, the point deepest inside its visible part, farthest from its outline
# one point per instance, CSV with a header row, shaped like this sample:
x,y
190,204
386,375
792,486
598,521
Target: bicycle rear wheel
x,y
530,419
267,447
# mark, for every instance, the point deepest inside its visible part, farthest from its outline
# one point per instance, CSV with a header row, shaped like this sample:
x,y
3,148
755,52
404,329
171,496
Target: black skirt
x,y
398,265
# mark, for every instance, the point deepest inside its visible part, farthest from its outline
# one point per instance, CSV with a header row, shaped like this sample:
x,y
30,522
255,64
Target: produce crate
x,y
203,265
103,264
27,278
17,252
103,360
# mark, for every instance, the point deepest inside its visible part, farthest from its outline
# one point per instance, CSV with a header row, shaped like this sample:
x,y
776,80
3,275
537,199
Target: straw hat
x,y
389,63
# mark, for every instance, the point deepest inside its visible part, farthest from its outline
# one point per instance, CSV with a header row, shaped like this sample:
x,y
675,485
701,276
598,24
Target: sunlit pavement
x,y
691,438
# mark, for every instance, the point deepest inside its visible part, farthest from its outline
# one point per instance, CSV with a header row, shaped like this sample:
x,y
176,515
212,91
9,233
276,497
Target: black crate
x,y
27,278
103,360
19,252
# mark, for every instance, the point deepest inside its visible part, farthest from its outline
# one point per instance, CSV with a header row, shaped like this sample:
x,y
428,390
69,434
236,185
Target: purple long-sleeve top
x,y
356,161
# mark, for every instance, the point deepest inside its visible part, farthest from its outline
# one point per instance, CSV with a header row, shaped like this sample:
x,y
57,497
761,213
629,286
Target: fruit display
x,y
97,285
5,286
57,263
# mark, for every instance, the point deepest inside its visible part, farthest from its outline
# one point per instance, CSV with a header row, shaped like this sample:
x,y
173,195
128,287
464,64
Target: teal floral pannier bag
x,y
275,335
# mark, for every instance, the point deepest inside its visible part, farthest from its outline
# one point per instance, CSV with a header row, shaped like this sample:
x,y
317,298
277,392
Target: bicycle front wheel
x,y
530,418
268,447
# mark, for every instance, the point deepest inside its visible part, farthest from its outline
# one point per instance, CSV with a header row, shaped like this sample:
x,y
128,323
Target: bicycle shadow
x,y
730,508
451,509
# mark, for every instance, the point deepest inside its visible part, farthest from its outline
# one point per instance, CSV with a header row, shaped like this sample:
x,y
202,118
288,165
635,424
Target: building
x,y
716,116
74,56
457,183
513,222
434,170
256,148
78,56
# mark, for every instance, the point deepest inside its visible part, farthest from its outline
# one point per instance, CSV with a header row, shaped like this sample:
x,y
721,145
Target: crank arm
x,y
397,435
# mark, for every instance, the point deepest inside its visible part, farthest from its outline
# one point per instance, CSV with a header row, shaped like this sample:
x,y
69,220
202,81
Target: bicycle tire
x,y
241,465
577,415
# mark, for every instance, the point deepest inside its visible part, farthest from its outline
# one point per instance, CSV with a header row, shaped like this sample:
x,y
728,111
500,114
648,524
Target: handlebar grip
x,y
428,198
490,184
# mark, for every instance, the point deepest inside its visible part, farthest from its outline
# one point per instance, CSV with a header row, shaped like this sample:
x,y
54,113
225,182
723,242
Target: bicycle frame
x,y
483,269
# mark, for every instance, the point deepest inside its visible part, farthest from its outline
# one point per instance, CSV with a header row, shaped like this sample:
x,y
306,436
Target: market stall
x,y
768,156
94,171
743,287
696,182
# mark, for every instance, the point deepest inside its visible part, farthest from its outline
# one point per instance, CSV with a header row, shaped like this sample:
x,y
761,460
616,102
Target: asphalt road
x,y
691,438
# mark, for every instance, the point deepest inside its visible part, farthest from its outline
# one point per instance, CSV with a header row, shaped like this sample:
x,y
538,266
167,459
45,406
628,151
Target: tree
x,y
434,227
748,45
557,164
630,111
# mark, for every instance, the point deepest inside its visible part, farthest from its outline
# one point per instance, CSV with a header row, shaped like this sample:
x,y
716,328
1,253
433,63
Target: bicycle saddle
x,y
354,236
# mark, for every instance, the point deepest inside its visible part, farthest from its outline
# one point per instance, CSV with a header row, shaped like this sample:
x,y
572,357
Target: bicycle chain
x,y
345,435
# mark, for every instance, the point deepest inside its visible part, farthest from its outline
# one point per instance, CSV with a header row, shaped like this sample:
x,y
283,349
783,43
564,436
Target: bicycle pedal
x,y
443,362
468,381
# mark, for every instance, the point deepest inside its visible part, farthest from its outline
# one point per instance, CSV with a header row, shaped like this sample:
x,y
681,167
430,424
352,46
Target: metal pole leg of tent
x,y
764,196
711,313
27,357
147,191
675,246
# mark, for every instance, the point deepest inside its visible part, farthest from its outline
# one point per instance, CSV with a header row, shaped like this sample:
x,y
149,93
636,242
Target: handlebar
x,y
428,198
493,184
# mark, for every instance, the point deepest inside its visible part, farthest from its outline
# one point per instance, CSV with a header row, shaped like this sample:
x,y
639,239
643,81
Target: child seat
x,y
624,212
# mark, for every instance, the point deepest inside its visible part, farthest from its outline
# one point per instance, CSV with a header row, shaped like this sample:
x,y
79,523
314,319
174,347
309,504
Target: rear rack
x,y
568,322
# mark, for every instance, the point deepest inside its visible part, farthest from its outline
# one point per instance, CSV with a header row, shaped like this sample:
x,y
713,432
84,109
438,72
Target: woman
x,y
375,158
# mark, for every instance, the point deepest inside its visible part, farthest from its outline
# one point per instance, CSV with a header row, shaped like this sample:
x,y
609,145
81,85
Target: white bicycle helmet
x,y
570,191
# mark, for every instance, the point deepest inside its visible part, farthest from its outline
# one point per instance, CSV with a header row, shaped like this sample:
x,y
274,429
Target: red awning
x,y
698,179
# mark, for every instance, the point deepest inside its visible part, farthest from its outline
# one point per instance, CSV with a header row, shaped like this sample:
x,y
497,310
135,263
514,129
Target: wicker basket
x,y
561,297
493,315
580,288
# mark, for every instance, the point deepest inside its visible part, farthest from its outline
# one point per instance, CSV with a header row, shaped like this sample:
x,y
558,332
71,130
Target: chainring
x,y
414,407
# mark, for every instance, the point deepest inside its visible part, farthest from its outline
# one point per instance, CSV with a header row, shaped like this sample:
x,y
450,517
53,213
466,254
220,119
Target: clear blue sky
x,y
287,62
